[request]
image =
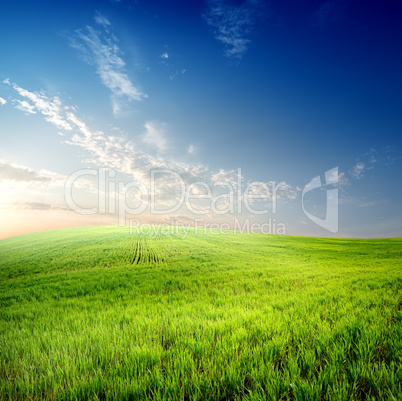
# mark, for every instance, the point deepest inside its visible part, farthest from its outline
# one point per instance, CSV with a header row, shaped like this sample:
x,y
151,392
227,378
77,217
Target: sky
x,y
268,116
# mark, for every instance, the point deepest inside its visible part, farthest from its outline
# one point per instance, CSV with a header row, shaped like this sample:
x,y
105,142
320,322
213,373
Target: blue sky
x,y
284,91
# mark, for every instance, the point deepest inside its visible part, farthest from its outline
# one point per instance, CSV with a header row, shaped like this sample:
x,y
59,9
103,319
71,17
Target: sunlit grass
x,y
97,313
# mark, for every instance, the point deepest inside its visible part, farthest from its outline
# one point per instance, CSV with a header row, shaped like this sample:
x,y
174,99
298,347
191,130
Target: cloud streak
x,y
231,24
102,51
18,173
123,156
36,206
50,108
24,106
101,20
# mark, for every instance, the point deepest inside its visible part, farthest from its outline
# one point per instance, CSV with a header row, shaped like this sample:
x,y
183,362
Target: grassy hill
x,y
97,313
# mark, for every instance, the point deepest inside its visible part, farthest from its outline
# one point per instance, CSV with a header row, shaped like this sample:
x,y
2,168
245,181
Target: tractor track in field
x,y
144,253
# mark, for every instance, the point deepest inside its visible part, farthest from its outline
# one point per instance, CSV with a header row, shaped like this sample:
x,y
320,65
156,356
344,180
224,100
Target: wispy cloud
x,y
36,206
227,176
2,101
172,62
232,24
358,170
49,107
108,151
18,173
102,50
367,204
122,155
155,135
101,20
24,106
383,156
24,188
328,12
177,73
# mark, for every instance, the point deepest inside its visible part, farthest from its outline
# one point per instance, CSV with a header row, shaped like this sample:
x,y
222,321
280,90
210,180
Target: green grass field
x,y
97,313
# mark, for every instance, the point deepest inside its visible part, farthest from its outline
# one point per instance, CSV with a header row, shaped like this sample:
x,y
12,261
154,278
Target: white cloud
x,y
101,20
191,149
23,105
49,107
358,170
232,24
3,101
336,178
155,135
232,177
19,173
105,54
173,63
376,156
79,124
124,157
386,156
104,150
